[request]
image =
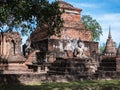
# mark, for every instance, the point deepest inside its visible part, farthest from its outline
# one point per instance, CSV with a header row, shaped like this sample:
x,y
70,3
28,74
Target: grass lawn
x,y
80,85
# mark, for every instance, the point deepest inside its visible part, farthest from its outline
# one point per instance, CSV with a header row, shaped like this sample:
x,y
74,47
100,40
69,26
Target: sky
x,y
106,12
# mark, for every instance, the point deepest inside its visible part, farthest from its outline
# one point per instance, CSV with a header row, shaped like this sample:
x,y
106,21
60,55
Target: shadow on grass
x,y
85,85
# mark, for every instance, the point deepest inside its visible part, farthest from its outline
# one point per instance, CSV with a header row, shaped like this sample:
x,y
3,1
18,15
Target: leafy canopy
x,y
91,24
26,14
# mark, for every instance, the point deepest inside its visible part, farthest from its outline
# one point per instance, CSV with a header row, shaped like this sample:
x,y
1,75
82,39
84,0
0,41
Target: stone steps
x,y
3,66
17,72
70,66
16,69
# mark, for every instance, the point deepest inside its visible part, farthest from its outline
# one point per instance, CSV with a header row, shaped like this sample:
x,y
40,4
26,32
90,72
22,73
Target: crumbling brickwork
x,y
72,28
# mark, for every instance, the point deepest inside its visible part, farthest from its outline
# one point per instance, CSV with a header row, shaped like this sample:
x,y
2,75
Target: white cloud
x,y
111,20
109,17
99,12
86,5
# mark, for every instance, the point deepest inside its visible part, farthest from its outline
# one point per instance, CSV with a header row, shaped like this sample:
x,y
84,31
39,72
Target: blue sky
x,y
106,12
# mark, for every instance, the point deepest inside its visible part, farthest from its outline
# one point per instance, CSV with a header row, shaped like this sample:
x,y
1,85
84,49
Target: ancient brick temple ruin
x,y
73,56
49,52
72,31
11,57
110,59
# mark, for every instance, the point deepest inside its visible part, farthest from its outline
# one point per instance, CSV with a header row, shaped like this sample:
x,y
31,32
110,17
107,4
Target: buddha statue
x,y
79,51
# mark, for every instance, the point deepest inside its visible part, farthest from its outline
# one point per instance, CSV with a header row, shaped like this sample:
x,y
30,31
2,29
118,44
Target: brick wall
x,y
84,35
54,46
71,17
72,28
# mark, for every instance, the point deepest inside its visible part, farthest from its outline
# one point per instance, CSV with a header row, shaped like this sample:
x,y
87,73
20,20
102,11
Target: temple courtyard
x,y
69,58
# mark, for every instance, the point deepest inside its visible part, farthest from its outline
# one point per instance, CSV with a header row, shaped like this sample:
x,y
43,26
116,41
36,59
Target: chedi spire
x,y
109,35
110,49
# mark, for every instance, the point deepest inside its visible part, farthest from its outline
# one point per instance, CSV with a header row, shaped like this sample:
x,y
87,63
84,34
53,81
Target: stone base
x,y
75,67
16,68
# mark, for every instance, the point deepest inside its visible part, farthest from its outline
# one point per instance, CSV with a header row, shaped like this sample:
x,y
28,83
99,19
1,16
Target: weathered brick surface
x,y
71,17
69,33
72,28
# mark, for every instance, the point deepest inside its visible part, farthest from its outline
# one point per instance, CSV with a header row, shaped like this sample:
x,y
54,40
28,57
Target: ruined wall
x,y
59,45
71,15
72,26
40,45
10,47
71,30
53,48
10,43
93,47
71,33
65,48
70,12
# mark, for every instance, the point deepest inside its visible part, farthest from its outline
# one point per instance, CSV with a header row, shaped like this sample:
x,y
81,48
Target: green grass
x,y
80,85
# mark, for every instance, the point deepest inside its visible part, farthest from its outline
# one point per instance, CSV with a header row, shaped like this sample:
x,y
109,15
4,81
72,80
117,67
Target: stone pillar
x,y
46,68
18,48
4,45
1,45
18,45
39,69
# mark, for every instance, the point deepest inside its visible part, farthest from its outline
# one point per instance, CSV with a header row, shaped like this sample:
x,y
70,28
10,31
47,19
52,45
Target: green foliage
x,y
40,12
102,47
91,24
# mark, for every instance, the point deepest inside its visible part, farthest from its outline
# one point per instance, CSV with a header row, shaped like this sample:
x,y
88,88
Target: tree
x,y
101,48
91,24
26,14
